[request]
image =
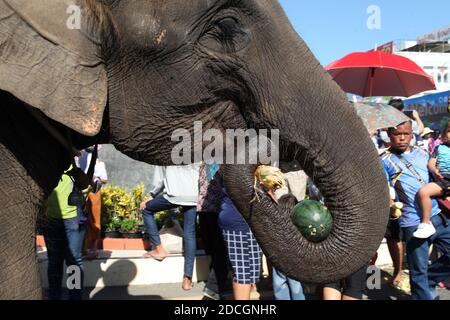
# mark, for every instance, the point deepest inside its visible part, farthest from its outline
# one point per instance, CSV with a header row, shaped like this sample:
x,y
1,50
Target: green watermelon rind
x,y
309,228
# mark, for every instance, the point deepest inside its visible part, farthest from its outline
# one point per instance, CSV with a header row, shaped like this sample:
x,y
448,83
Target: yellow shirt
x,y
58,207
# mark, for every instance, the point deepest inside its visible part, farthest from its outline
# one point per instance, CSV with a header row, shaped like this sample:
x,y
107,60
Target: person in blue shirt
x,y
439,166
406,170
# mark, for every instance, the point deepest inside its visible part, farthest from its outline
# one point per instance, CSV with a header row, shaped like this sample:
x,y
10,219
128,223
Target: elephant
x,y
130,72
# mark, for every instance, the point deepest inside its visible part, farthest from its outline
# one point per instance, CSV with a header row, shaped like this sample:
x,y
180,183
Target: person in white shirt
x,y
175,186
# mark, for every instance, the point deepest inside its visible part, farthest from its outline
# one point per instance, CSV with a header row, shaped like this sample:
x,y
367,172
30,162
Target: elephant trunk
x,y
319,128
350,177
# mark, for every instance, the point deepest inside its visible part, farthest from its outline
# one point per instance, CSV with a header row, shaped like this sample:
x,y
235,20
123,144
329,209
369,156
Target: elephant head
x,y
161,65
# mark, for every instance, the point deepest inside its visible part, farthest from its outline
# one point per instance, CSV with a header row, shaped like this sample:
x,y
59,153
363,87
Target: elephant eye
x,y
225,35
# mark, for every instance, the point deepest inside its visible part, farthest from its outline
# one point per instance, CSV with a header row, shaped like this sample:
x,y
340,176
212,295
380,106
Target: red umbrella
x,y
377,73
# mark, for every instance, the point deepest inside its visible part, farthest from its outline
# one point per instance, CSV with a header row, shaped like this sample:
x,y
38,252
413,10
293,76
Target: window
x,y
443,75
429,70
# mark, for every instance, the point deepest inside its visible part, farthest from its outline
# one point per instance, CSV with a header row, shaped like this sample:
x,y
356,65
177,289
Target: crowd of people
x,y
417,167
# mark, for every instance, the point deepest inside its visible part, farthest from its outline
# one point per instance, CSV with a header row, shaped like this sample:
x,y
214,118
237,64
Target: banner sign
x,y
439,35
386,48
433,108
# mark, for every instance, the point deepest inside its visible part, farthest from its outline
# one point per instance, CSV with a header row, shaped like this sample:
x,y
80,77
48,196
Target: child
x,y
439,166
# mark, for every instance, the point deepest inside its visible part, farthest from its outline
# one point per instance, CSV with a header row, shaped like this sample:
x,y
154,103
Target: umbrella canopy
x,y
377,73
378,116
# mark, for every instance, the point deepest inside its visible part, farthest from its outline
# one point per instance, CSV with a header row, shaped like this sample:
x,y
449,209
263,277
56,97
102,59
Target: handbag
x,y
78,199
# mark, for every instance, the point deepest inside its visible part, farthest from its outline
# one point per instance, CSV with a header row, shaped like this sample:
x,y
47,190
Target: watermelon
x,y
313,220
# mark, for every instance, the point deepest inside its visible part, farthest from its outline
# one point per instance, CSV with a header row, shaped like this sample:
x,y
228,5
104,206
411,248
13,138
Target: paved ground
x,y
263,292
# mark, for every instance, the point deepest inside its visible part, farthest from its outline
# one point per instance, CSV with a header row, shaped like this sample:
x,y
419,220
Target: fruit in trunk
x,y
313,220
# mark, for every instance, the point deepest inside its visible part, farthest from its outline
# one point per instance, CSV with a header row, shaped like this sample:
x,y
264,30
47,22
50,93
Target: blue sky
x,y
334,28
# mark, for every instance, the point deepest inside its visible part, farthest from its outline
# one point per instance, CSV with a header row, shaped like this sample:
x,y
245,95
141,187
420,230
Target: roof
x,y
438,46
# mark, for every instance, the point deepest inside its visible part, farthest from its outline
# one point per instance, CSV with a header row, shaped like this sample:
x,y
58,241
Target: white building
x,y
432,53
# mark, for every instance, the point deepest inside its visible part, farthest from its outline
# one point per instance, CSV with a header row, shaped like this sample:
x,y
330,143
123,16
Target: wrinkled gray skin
x,y
230,64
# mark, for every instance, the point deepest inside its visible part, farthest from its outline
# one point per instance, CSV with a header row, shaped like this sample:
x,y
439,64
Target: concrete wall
x,y
124,171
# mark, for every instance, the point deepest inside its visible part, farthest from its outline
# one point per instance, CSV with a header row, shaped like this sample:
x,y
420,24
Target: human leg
x,y
439,270
426,228
245,257
332,291
242,291
417,255
396,251
394,236
190,245
355,284
56,243
295,289
254,254
425,194
280,285
218,281
75,233
151,207
285,288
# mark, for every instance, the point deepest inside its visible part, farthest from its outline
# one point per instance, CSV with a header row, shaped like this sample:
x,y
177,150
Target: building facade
x,y
432,53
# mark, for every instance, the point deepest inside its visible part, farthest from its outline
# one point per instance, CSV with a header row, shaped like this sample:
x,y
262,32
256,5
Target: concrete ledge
x,y
112,243
128,267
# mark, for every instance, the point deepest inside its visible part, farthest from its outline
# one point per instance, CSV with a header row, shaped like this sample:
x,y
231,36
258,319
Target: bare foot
x,y
187,283
155,255
397,279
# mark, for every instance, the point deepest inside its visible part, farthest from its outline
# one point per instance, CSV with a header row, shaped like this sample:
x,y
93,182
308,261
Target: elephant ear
x,y
49,65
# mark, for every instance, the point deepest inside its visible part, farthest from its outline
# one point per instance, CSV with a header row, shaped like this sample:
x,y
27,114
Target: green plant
x,y
113,224
128,225
120,208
